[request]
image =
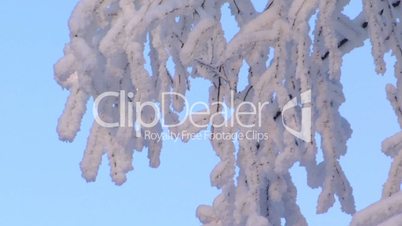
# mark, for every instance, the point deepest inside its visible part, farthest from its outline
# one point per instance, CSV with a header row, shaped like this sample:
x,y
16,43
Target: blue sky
x,y
40,177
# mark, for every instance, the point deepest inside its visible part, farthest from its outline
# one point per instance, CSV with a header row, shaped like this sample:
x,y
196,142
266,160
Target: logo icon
x,y
305,132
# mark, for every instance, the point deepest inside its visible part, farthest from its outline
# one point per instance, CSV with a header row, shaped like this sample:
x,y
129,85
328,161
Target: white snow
x,y
106,53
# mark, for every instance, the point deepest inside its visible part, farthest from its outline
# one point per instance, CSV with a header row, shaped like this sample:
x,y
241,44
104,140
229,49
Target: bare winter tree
x,y
106,54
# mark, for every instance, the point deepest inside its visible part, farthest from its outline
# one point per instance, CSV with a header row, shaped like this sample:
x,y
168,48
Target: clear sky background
x,y
40,182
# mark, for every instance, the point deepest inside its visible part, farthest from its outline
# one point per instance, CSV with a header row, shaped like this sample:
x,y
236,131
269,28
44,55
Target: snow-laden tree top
x,y
106,54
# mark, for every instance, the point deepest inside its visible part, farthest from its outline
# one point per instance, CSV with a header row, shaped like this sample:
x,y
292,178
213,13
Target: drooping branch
x,y
106,54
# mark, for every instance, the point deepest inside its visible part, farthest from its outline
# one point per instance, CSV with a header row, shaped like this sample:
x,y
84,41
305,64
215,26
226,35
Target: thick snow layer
x,y
106,54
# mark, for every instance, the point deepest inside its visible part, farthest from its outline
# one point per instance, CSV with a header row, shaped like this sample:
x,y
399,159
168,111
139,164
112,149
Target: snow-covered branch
x,y
106,54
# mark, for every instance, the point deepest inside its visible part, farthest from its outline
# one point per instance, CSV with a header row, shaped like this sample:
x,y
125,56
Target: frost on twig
x,y
106,54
